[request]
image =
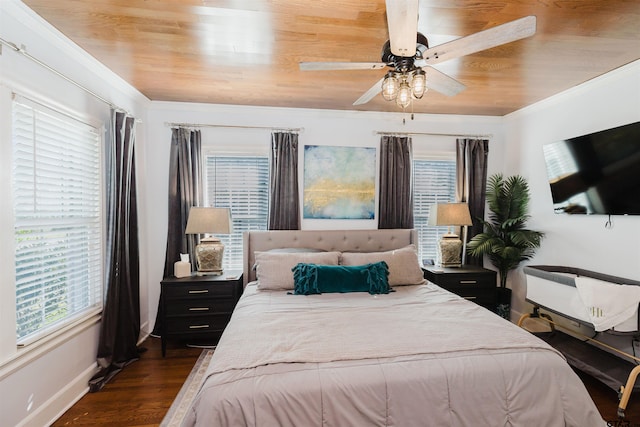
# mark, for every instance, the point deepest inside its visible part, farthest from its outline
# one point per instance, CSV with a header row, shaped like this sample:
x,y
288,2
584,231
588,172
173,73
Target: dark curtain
x,y
120,326
284,203
185,191
396,191
471,183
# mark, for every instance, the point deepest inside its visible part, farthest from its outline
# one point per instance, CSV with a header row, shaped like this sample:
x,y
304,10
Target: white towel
x,y
608,304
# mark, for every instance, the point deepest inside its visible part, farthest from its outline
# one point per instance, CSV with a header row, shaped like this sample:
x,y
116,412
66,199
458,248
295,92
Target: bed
x,y
417,355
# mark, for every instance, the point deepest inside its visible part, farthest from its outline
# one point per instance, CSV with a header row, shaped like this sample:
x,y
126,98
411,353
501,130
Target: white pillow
x,y
273,269
404,268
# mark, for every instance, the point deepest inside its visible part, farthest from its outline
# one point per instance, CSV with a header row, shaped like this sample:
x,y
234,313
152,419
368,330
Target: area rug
x,y
188,392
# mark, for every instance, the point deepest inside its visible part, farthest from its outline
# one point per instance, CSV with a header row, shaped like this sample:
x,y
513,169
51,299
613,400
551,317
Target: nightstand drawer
x,y
478,295
199,290
198,324
198,308
481,280
195,306
472,283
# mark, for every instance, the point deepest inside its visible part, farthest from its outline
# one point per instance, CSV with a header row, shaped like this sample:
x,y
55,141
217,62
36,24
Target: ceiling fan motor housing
x,y
404,63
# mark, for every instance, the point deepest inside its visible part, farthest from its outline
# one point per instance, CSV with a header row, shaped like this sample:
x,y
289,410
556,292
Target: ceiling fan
x,y
408,56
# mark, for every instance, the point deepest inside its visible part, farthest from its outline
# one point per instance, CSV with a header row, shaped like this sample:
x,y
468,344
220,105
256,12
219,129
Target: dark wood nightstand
x,y
198,308
476,284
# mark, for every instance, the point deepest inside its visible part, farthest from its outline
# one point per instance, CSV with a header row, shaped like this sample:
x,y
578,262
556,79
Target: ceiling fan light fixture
x,y
419,83
404,40
390,86
404,95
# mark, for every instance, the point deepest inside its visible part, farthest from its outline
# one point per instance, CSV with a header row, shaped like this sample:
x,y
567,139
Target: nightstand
x,y
198,308
476,284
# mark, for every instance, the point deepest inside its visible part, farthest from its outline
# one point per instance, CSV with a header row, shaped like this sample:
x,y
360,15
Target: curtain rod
x,y
205,125
23,51
458,135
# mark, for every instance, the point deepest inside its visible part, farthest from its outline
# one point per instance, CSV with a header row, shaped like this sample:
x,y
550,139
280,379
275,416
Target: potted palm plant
x,y
505,240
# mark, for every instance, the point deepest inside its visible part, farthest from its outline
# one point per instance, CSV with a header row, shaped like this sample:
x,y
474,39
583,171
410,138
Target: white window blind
x,y
240,183
434,181
58,224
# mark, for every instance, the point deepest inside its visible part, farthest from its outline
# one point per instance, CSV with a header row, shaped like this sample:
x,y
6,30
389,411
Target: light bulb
x,y
419,83
404,95
389,87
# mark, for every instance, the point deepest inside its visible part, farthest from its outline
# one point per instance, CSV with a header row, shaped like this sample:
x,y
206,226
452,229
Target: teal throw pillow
x,y
316,279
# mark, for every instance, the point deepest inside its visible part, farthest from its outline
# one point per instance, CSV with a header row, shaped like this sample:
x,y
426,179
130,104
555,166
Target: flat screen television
x,y
598,173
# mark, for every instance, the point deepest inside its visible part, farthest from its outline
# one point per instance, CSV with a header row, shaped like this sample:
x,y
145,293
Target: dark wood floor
x,y
606,400
143,392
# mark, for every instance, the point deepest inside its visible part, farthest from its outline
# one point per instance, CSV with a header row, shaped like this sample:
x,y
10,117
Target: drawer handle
x,y
469,297
198,326
198,308
468,282
199,291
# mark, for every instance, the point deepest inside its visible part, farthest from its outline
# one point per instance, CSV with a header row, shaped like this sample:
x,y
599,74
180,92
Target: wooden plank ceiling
x,y
247,52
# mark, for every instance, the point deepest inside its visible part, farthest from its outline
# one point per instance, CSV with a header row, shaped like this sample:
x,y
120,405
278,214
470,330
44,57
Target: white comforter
x,y
418,356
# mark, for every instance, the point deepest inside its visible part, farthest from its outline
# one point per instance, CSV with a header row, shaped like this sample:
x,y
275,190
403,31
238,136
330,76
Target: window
x,y
434,181
240,183
58,224
560,162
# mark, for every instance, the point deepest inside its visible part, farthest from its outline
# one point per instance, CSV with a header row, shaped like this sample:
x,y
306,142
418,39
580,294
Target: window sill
x,y
27,354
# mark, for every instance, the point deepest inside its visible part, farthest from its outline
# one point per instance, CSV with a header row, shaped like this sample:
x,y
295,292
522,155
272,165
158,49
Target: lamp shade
x,y
449,214
449,246
209,220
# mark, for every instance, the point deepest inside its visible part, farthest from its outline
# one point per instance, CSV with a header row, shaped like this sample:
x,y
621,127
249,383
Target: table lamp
x,y
450,246
210,250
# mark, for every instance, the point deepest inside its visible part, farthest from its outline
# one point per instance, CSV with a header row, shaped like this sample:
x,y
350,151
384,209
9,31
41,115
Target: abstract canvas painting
x,y
339,182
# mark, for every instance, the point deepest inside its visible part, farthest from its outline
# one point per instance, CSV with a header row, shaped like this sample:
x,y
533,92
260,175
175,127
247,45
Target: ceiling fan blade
x,y
318,66
402,20
370,94
496,36
440,82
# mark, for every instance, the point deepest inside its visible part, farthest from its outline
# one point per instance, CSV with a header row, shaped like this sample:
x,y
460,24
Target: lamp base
x,y
209,254
209,273
449,248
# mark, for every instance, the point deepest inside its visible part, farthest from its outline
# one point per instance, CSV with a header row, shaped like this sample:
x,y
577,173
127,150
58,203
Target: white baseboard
x,y
68,396
59,403
143,331
143,336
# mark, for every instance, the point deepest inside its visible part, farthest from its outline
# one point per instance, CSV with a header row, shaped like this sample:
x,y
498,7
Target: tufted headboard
x,y
328,240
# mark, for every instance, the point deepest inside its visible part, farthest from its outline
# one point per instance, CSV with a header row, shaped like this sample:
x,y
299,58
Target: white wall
x,y
39,382
576,241
37,387
320,127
